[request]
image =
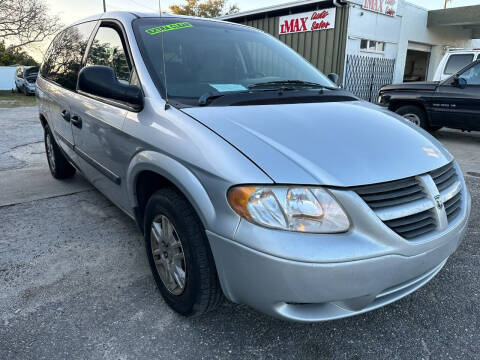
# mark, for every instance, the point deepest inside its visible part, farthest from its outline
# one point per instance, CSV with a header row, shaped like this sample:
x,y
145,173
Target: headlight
x,y
292,208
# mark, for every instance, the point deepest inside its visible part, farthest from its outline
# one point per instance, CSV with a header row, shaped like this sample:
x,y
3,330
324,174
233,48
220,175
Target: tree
x,y
207,9
15,57
24,22
446,2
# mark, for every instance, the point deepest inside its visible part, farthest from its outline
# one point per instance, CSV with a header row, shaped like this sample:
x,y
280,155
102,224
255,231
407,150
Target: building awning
x,y
466,17
282,9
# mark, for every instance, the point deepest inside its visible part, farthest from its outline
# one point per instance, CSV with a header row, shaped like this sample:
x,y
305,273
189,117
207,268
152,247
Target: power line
x,y
125,7
144,6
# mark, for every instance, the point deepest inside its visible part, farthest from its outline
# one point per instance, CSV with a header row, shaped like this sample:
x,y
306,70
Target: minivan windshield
x,y
205,57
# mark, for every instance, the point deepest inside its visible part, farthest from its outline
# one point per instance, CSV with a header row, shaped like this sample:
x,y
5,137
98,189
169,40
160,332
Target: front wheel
x,y
414,114
179,254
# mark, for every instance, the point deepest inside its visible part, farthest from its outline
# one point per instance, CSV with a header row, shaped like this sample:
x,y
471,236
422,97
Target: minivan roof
x,y
463,50
126,15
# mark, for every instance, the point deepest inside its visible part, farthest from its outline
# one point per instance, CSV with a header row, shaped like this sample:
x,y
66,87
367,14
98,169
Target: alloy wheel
x,y
50,152
414,118
168,255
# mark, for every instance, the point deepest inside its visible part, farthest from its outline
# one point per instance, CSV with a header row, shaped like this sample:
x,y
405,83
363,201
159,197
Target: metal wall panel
x,y
325,49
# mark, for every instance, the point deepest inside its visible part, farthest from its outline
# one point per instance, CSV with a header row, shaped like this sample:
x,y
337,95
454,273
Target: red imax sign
x,y
387,7
308,21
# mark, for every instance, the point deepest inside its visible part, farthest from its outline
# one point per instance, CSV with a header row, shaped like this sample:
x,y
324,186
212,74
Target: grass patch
x,y
10,99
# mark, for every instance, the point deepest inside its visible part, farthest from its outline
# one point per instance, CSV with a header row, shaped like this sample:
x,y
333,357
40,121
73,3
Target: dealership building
x,y
368,43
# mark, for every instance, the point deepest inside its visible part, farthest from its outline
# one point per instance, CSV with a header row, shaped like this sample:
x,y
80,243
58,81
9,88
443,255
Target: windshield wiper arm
x,y
206,97
288,83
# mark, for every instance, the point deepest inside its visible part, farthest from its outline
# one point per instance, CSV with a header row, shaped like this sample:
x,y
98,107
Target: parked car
x,y
453,61
453,103
25,79
249,172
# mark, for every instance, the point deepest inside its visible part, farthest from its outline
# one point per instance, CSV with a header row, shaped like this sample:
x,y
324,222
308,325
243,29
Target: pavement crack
x,y
19,146
46,198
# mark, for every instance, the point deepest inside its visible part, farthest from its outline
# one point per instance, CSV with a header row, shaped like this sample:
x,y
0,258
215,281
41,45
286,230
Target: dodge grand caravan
x,y
250,173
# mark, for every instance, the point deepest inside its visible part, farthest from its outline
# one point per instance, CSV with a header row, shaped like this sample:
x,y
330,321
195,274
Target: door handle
x,y
76,121
66,115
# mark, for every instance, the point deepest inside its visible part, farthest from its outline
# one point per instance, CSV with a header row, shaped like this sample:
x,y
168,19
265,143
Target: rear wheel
x,y
59,166
179,255
414,114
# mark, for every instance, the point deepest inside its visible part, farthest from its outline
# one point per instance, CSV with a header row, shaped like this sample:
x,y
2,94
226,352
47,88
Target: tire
x,y
59,166
201,290
18,89
25,92
414,114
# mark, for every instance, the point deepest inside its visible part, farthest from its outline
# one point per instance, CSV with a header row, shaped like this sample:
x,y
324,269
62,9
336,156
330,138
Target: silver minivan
x,y
252,175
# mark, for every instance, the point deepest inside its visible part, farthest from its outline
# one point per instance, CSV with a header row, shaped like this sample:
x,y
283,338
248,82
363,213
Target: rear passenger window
x,y
107,49
65,55
457,62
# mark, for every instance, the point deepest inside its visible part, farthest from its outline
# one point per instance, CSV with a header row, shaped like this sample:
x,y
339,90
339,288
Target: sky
x,y
71,11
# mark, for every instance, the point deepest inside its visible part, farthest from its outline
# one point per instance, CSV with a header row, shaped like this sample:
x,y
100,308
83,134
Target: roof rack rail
x,y
462,49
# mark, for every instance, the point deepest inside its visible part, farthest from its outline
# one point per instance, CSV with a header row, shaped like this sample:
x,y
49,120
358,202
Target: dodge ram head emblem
x,y
439,201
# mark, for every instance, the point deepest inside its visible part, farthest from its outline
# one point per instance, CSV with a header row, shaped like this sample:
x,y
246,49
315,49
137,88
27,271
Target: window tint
x,y
47,61
472,75
205,56
107,49
66,54
457,62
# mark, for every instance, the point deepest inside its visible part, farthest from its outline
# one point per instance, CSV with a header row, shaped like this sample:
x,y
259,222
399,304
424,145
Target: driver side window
x,y
107,49
472,75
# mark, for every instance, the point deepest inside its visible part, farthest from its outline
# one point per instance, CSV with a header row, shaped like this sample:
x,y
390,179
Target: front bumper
x,y
307,289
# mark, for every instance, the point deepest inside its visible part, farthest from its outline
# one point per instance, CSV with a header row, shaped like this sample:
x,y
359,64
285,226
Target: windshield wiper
x,y
210,95
288,84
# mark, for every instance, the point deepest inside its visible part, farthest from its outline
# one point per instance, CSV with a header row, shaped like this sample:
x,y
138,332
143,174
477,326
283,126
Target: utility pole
x,y
446,2
105,6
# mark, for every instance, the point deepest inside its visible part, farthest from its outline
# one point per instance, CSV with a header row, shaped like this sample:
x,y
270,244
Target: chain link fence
x,y
366,75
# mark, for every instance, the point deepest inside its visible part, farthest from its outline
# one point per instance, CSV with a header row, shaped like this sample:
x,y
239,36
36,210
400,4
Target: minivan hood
x,y
338,143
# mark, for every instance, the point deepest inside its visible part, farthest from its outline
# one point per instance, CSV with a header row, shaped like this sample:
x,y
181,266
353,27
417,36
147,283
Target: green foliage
x,y
206,9
14,56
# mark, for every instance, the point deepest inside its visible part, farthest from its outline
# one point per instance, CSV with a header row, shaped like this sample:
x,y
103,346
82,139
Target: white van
x,y
455,60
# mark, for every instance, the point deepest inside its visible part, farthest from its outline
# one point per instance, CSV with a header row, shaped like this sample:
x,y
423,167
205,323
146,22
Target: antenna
x,y
167,105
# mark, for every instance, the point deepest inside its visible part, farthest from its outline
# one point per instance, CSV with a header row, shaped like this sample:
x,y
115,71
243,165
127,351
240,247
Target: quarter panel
x,y
199,162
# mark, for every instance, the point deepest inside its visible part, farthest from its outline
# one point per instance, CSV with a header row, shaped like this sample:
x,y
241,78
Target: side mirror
x,y
101,81
333,78
460,82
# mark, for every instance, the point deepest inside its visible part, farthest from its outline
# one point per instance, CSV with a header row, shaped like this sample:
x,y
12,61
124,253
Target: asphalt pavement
x,y
75,283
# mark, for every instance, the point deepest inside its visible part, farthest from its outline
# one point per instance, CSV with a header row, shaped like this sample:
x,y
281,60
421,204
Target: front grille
x,y
407,207
392,193
453,206
444,177
413,226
